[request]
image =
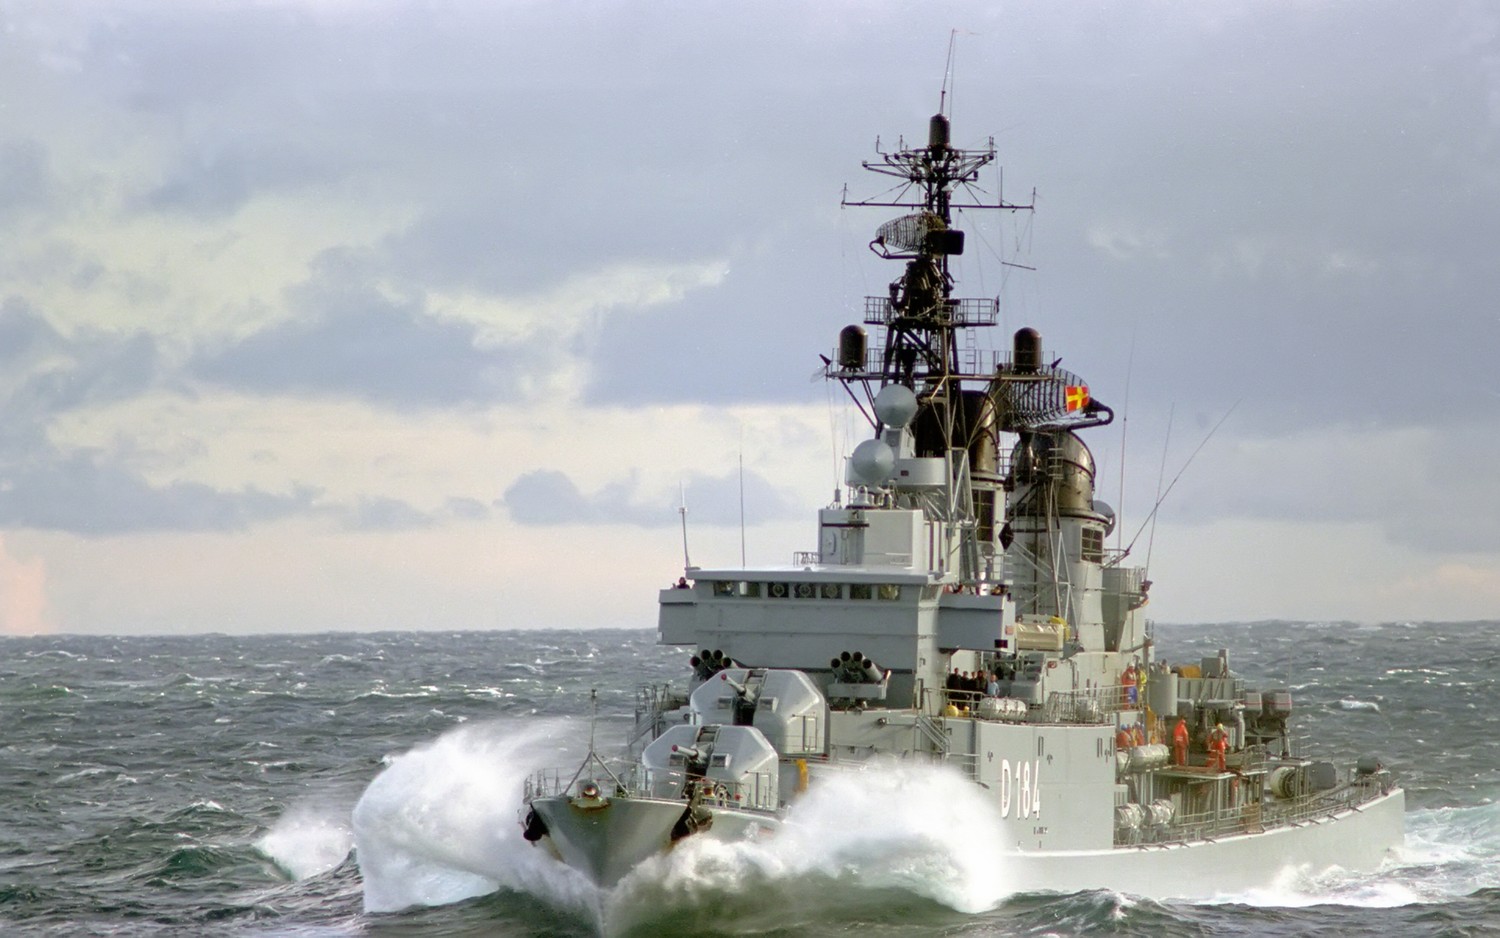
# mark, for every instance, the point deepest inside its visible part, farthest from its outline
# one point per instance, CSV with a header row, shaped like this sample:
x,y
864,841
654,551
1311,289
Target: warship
x,y
963,608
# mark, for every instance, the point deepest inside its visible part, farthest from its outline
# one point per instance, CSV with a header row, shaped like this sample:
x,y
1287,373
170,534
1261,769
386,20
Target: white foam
x,y
442,822
308,840
918,830
1449,853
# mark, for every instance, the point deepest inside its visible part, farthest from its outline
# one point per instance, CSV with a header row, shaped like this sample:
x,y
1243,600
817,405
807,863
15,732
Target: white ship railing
x,y
756,791
1089,707
1258,816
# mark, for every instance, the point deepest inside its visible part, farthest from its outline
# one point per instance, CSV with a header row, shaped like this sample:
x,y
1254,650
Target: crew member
x,y
1122,739
1180,742
1127,683
1218,745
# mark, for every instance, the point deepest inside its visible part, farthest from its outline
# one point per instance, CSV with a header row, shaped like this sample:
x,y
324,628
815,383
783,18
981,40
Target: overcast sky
x,y
336,315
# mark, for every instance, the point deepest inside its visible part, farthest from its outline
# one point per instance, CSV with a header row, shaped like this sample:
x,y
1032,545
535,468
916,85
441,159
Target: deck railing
x,y
1093,706
1259,816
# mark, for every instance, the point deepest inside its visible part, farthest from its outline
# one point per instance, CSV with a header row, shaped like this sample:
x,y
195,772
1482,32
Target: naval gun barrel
x,y
691,753
739,688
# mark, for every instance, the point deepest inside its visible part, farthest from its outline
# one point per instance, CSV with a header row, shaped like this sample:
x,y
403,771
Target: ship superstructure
x,y
962,607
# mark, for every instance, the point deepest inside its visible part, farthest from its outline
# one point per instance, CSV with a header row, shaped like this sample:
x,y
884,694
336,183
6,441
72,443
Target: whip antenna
x,y
1162,474
1124,427
742,499
687,564
947,74
1151,518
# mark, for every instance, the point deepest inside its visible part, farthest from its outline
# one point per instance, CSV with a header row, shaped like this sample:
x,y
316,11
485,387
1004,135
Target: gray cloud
x,y
49,373
348,340
79,493
547,496
218,177
25,175
466,509
386,514
95,492
23,333
1293,208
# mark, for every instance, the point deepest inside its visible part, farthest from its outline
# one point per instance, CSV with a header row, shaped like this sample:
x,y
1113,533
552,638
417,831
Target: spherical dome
x,y
873,462
895,405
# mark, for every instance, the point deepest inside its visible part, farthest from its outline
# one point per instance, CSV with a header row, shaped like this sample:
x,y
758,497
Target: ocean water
x,y
368,784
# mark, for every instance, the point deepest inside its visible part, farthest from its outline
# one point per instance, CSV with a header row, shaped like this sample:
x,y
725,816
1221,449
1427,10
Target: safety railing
x,y
1089,707
1258,816
757,790
981,311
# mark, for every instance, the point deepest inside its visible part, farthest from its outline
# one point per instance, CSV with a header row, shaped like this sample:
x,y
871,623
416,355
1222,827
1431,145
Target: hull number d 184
x,y
1020,789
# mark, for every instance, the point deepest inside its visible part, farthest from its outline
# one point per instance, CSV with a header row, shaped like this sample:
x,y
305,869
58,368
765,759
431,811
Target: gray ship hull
x,y
608,838
1357,840
607,843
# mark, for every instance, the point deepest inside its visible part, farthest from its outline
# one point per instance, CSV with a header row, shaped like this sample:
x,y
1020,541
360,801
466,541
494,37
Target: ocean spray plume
x,y
440,824
308,840
901,830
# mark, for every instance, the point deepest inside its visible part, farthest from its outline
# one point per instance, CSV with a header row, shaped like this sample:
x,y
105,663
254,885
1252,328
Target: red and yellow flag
x,y
1076,396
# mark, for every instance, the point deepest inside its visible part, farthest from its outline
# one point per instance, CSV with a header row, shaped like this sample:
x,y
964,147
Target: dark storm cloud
x,y
547,497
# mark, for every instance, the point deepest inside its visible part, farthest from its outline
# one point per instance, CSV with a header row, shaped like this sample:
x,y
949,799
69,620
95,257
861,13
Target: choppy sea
x,y
346,784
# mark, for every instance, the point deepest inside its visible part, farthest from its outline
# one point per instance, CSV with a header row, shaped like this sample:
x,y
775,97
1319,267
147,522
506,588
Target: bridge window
x,y
860,591
890,591
749,589
807,590
1093,545
777,590
832,591
723,587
